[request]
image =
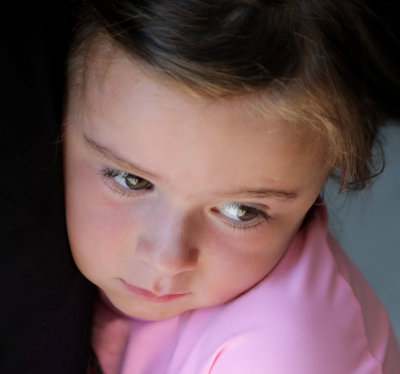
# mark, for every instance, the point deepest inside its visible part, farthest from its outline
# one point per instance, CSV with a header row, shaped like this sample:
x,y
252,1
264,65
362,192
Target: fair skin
x,y
176,202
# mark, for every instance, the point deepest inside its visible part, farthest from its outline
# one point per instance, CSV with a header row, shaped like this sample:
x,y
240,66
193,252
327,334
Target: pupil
x,y
132,181
246,213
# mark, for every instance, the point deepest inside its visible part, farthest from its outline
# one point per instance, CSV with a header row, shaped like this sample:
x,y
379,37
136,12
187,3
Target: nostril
x,y
191,257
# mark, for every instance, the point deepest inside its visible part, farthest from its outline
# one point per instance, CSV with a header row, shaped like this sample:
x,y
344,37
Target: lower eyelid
x,y
116,188
241,226
245,228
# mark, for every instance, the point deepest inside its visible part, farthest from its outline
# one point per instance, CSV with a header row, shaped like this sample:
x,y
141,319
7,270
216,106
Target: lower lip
x,y
149,296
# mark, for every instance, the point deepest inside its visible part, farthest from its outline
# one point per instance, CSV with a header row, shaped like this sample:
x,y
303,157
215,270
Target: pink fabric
x,y
313,314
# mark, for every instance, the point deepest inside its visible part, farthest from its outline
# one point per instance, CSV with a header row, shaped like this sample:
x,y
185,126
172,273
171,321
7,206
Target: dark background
x,y
45,302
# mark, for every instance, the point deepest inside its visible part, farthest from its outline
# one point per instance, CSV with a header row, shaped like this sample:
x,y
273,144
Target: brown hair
x,y
316,60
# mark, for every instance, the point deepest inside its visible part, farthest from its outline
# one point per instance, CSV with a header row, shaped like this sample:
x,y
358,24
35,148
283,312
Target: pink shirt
x,y
313,314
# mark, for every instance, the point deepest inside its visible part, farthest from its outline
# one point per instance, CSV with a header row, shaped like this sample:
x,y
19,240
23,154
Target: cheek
x,y
99,227
235,263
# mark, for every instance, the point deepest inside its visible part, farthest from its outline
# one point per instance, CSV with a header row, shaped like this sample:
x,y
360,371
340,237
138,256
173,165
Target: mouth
x,y
146,295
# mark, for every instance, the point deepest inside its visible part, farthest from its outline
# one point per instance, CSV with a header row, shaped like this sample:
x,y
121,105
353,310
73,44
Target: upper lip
x,y
146,294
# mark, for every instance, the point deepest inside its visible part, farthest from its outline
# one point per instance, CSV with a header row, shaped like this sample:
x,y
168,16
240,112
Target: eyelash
x,y
251,225
109,173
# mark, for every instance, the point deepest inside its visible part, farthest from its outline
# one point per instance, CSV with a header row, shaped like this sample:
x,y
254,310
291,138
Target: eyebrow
x,y
128,165
265,193
117,159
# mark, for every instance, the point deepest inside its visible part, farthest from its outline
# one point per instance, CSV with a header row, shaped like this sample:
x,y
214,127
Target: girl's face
x,y
175,202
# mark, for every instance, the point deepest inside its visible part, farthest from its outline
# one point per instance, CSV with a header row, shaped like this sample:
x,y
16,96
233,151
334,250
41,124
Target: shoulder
x,y
314,313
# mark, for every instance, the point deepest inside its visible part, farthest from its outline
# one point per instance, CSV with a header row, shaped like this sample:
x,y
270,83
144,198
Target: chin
x,y
151,315
151,312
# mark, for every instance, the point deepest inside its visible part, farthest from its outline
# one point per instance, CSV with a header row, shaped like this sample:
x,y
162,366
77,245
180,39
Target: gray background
x,y
367,224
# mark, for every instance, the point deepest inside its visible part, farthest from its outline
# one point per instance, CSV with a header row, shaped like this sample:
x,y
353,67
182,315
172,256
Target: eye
x,y
240,212
127,180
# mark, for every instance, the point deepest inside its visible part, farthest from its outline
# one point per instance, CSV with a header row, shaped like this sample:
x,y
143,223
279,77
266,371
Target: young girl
x,y
198,136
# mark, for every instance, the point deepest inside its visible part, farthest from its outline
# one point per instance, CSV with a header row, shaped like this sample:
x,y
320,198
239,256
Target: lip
x,y
150,296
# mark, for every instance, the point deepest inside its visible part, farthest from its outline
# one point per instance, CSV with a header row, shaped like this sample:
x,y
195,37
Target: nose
x,y
167,243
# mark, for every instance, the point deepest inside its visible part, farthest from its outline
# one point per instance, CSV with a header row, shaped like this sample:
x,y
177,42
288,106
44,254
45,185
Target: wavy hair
x,y
315,63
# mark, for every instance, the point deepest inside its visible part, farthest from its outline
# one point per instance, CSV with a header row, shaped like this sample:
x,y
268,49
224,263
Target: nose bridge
x,y
168,243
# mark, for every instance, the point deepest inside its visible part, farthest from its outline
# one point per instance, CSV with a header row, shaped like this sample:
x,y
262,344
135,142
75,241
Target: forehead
x,y
97,65
170,131
108,71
